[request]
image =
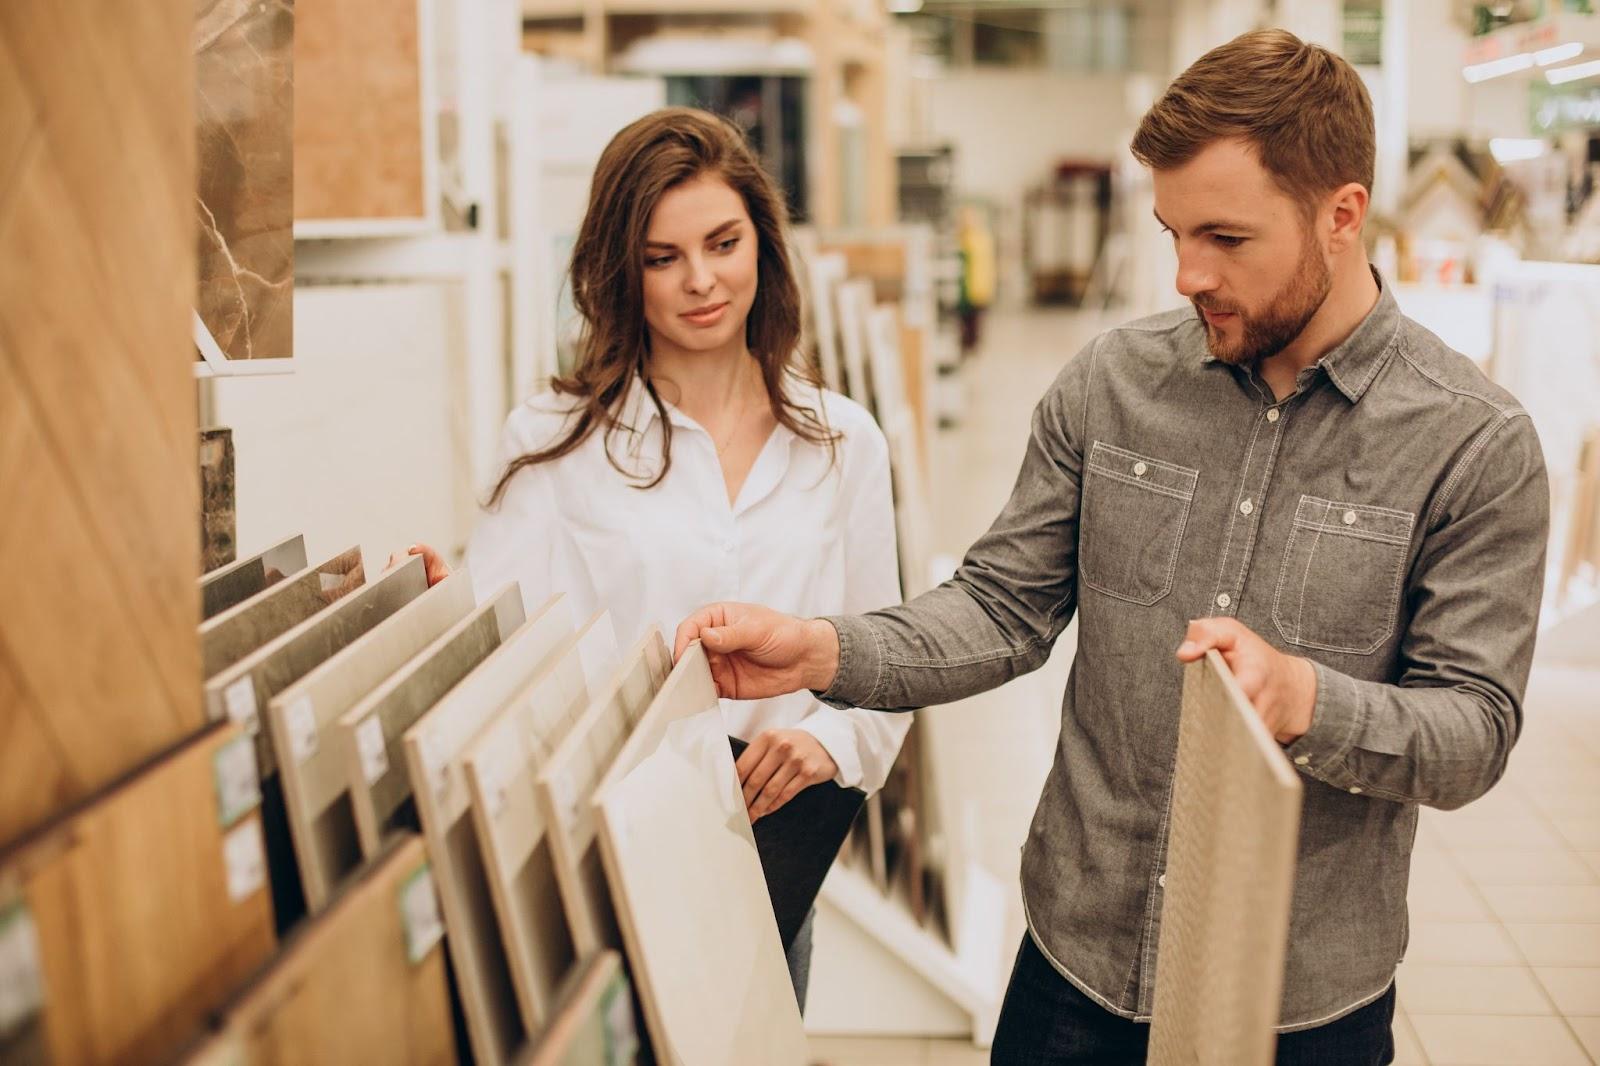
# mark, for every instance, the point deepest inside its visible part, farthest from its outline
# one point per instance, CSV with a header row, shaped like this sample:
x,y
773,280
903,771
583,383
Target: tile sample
x,y
593,1020
372,730
304,718
99,550
567,781
244,689
218,529
687,885
1228,879
147,905
433,749
359,148
365,981
244,628
244,197
231,585
500,766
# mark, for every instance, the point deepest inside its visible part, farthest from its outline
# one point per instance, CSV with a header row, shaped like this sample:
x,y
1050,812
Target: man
x,y
1359,512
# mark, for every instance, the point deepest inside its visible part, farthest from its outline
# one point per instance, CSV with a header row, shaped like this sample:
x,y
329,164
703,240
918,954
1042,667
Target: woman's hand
x,y
778,765
432,562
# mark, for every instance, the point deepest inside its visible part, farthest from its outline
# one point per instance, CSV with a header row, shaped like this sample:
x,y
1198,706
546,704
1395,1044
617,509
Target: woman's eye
x,y
658,261
727,244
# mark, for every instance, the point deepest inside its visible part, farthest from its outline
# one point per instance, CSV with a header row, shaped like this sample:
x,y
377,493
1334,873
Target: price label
x,y
622,1037
240,700
302,721
21,980
374,751
434,768
419,914
238,781
245,861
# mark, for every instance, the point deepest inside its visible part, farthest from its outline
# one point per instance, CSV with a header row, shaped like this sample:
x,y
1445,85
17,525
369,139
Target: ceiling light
x,y
1562,75
1559,54
1515,149
1496,67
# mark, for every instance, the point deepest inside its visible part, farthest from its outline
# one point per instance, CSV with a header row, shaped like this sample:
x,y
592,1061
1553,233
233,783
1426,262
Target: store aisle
x,y
1504,965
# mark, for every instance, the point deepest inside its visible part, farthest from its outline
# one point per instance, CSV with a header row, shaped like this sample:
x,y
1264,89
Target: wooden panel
x,y
242,629
350,988
97,415
593,1021
358,138
243,198
148,904
826,273
567,781
681,861
231,585
304,719
1229,878
501,765
373,729
853,302
433,750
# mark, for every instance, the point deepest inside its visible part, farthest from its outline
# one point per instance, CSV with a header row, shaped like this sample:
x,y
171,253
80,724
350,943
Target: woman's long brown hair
x,y
657,153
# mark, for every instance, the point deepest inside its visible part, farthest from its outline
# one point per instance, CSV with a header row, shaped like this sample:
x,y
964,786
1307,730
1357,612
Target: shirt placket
x,y
1269,418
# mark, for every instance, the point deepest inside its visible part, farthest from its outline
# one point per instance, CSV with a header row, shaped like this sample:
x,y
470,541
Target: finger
x,y
772,762
723,676
788,771
796,786
1221,634
395,559
692,628
728,637
752,756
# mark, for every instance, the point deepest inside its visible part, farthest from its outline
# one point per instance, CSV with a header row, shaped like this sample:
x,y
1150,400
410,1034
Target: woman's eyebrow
x,y
713,235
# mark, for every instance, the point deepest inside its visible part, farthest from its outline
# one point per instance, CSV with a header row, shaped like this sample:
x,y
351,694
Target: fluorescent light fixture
x,y
904,7
1562,75
1515,149
1559,54
1498,67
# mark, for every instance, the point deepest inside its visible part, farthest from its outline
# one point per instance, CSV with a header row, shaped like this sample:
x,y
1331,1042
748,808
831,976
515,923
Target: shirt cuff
x,y
860,664
1335,724
837,736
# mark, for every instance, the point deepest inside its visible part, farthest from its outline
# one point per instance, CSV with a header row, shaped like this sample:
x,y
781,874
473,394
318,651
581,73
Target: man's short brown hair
x,y
1304,110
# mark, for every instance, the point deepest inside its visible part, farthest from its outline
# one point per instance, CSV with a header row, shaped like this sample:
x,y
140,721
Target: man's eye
x,y
1228,242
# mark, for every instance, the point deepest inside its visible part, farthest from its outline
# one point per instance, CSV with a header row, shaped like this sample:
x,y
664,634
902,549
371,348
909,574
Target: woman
x,y
689,459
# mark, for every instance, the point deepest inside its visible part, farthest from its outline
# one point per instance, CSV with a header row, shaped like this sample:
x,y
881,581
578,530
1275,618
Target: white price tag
x,y
302,721
237,779
240,700
21,981
372,748
245,861
434,768
419,914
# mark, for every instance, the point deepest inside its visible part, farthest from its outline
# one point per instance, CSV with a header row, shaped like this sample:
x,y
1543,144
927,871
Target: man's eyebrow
x,y
713,235
1211,227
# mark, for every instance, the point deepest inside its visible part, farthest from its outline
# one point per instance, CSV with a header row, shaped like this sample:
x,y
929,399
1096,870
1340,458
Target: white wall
x,y
365,443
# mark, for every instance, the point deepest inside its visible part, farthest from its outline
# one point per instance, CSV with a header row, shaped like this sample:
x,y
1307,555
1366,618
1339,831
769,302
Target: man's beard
x,y
1265,334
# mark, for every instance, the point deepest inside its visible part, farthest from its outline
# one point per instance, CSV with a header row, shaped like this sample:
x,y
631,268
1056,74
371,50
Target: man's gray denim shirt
x,y
1388,522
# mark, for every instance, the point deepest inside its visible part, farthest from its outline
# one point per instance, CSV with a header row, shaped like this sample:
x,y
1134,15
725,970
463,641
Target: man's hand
x,y
1282,688
778,765
756,653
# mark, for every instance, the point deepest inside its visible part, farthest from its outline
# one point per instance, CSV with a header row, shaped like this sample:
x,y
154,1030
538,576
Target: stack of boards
x,y
419,829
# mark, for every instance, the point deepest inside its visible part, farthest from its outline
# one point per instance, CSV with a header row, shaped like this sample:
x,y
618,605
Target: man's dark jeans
x,y
1047,1022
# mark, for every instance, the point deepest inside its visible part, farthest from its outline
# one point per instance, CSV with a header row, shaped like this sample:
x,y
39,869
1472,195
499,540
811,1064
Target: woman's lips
x,y
707,317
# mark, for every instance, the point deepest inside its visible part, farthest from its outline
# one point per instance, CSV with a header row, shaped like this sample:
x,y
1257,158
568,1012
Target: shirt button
x,y
1224,601
1300,760
1356,791
1162,880
1272,415
1140,469
1246,507
1349,518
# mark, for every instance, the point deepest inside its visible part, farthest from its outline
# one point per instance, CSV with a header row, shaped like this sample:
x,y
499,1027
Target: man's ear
x,y
1347,211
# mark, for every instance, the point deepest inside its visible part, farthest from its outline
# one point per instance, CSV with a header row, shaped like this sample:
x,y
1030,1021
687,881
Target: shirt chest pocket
x,y
1339,587
1132,518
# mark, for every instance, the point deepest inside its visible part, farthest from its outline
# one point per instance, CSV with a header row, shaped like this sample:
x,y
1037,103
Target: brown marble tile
x,y
244,119
218,531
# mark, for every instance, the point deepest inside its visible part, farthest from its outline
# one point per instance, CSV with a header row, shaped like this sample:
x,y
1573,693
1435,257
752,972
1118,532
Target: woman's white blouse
x,y
806,536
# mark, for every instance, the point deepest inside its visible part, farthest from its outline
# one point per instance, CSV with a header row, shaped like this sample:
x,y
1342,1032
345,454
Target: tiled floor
x,y
1504,965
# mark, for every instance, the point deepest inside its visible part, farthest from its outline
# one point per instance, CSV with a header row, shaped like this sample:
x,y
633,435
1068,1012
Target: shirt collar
x,y
639,412
1353,364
